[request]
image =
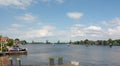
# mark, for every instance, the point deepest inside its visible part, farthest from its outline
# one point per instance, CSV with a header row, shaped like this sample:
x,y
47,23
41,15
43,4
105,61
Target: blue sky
x,y
63,20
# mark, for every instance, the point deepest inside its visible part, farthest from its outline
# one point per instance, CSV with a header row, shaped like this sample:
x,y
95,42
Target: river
x,y
38,54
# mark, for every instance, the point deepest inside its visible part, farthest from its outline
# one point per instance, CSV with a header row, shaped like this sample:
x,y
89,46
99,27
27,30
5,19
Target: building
x,y
3,42
4,39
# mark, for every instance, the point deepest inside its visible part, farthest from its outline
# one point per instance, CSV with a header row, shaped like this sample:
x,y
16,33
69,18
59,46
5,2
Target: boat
x,y
75,63
68,44
16,48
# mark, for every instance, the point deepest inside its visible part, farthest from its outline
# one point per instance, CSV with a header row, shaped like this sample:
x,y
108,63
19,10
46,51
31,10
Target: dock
x,y
22,65
13,53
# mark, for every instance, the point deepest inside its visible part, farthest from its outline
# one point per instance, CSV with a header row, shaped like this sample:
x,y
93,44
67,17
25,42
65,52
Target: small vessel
x,y
68,44
16,48
75,63
110,45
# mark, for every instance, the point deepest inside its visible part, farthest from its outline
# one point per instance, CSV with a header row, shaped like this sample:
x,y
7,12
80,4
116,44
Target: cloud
x,y
27,17
114,31
52,33
76,31
96,28
79,30
112,23
46,1
59,1
113,27
74,15
16,25
22,4
45,31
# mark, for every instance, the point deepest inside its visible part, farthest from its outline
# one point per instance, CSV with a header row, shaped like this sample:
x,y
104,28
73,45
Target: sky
x,y
63,20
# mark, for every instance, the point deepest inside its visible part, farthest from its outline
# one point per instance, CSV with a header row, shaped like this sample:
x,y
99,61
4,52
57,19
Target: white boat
x,y
75,63
68,44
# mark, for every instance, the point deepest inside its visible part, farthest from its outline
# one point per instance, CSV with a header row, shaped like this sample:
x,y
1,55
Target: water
x,y
38,55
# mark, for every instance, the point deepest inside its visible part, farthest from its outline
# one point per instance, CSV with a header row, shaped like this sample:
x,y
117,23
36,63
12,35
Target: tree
x,y
110,40
86,41
0,37
81,42
17,39
104,42
10,42
24,42
76,42
58,42
70,42
47,42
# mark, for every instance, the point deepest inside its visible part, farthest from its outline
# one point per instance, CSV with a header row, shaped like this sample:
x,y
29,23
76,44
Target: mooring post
x,y
60,60
19,61
51,61
11,61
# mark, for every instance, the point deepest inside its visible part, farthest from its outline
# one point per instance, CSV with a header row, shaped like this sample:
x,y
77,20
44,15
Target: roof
x,y
4,39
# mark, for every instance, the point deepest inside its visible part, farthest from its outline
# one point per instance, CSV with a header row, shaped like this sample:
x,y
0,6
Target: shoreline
x,y
13,53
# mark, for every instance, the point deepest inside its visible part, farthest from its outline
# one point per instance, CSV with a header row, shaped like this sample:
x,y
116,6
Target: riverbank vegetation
x,y
10,42
115,42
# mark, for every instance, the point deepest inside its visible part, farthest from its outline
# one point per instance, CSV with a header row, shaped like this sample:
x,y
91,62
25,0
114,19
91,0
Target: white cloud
x,y
45,31
27,18
60,1
46,1
79,30
29,34
50,1
16,25
112,23
76,31
47,27
113,27
114,31
22,4
97,28
74,15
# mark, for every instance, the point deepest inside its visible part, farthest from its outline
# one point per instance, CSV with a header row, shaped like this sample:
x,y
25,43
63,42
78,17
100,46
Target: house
x,y
4,39
3,42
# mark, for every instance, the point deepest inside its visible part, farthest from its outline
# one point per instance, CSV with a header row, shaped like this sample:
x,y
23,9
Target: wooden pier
x,y
22,65
13,53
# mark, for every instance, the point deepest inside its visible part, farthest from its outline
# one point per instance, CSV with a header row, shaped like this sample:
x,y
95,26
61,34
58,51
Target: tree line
x,y
115,42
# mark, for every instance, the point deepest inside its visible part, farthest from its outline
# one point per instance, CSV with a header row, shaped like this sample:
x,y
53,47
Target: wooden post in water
x,y
51,61
11,61
19,61
60,60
